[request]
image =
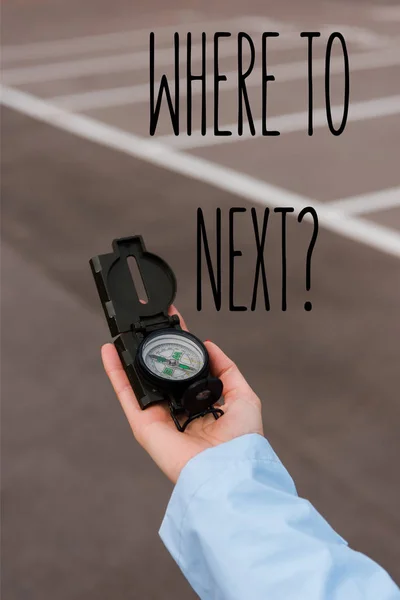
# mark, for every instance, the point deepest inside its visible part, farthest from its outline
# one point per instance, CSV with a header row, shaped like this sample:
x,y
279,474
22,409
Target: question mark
x,y
309,210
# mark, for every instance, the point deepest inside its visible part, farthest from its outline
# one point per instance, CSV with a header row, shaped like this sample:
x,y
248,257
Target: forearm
x,y
238,530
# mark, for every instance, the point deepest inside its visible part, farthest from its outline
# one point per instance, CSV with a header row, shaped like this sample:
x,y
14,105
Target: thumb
x,y
235,385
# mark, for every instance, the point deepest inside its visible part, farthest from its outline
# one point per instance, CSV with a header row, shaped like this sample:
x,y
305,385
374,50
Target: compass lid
x,y
116,286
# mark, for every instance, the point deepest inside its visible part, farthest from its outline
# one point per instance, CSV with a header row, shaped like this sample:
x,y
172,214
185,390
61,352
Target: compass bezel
x,y
164,382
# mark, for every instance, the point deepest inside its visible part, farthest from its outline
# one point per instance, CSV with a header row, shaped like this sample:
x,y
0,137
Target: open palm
x,y
154,429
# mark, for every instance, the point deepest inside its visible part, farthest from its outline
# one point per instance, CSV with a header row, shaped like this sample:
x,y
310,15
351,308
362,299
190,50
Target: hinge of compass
x,y
161,321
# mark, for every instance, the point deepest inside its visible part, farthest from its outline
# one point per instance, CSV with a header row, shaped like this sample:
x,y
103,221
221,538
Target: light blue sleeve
x,y
238,530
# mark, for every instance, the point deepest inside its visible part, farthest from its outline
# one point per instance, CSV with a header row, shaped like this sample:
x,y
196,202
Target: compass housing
x,y
171,340
133,324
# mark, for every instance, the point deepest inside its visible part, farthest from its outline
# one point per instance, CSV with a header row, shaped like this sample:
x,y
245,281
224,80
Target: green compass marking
x,y
170,364
186,367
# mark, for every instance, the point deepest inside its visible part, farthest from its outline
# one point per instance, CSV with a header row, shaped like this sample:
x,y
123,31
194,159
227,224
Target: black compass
x,y
172,357
163,362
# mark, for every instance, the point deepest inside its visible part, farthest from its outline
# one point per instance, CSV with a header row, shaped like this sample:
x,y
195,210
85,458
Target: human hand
x,y
154,429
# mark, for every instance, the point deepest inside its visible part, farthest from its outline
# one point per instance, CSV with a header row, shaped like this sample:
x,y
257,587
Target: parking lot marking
x,y
229,180
289,123
107,41
355,35
360,35
283,72
368,203
133,60
107,98
107,64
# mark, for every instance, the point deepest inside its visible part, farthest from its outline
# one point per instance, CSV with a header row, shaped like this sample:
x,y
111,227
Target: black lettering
x,y
242,90
217,79
155,112
260,267
332,38
232,254
310,35
215,281
190,78
265,79
284,210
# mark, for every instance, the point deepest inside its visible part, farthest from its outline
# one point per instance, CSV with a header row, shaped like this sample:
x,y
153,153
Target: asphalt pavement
x,y
82,502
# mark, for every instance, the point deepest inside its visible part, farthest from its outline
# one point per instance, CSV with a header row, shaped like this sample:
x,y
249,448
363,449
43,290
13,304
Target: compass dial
x,y
173,356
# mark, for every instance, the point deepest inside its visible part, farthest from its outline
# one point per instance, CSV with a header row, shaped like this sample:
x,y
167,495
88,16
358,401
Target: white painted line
x,y
289,123
386,13
78,45
353,34
131,61
283,73
108,41
260,24
361,36
368,203
229,180
106,64
107,98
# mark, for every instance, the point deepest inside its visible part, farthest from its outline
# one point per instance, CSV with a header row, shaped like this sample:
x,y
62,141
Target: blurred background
x,y
82,503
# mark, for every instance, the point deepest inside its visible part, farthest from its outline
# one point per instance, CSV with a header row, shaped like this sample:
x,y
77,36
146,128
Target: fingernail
x,y
207,340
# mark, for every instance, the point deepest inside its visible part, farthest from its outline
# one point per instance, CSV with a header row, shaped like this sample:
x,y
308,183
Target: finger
x,y
120,382
138,419
174,311
235,385
162,441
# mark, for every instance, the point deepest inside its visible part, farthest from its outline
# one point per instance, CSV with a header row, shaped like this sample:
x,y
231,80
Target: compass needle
x,y
158,358
187,367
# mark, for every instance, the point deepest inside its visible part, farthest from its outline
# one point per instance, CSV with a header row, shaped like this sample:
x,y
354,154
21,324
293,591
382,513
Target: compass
x,y
163,363
175,356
